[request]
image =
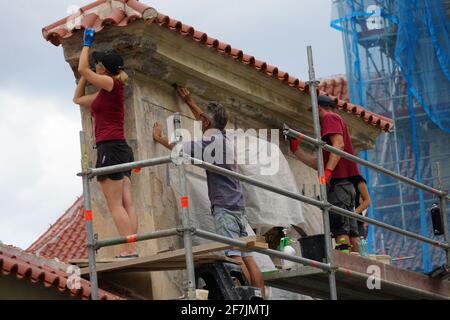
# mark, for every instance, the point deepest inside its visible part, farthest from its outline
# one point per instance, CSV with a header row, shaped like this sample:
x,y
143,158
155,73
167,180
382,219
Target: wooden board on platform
x,y
172,264
353,273
172,260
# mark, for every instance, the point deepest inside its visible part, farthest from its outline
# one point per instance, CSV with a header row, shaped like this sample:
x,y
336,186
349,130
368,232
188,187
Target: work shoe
x,y
343,247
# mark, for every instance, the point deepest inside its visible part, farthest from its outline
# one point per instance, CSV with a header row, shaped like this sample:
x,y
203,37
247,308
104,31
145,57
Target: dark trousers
x,y
341,193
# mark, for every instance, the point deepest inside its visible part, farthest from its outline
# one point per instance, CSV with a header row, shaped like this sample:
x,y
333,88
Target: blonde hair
x,y
122,77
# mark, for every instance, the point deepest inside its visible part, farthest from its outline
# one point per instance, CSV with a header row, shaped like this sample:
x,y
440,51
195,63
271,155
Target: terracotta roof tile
x,y
337,88
25,266
123,12
66,238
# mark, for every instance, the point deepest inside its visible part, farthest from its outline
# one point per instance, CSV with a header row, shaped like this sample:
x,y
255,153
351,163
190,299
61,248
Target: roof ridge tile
x,y
27,266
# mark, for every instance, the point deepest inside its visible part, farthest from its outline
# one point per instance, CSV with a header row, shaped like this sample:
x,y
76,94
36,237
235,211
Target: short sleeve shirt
x,y
331,124
217,149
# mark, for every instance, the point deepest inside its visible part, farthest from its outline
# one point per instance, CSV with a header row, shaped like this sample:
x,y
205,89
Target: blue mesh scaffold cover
x,y
397,64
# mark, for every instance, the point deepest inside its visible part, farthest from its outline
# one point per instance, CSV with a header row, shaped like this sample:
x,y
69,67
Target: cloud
x,y
38,165
27,61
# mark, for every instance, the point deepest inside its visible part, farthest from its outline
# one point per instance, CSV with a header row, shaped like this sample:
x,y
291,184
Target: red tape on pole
x,y
132,239
323,180
347,273
184,202
88,215
137,170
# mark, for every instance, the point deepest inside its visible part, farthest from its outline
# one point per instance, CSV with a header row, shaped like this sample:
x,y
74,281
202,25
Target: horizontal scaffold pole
x,y
295,134
136,238
126,167
270,252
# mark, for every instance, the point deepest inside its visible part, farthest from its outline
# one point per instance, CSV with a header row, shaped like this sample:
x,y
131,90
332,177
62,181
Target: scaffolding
x,y
397,59
186,231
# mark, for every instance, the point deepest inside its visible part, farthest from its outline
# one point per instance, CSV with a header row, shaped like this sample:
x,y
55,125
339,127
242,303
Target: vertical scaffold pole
x,y
313,84
184,212
442,203
443,208
88,219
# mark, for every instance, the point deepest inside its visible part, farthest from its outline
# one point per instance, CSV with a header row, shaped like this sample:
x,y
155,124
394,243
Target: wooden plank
x,y
168,266
144,262
256,244
395,283
199,259
391,274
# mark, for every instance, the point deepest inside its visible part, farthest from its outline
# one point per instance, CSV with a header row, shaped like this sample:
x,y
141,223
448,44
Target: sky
x,y
40,125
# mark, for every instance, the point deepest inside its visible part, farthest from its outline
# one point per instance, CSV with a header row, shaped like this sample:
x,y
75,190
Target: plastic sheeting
x,y
423,53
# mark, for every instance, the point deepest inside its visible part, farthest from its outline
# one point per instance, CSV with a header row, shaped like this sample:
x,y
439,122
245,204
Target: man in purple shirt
x,y
225,193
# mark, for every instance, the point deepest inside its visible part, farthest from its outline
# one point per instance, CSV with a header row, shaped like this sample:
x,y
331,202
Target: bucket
x,y
313,247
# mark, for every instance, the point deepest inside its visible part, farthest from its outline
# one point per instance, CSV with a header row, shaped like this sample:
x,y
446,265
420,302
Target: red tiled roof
x,y
25,266
65,239
336,87
120,13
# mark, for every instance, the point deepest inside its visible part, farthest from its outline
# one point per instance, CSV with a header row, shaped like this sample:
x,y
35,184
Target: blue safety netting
x,y
423,54
397,65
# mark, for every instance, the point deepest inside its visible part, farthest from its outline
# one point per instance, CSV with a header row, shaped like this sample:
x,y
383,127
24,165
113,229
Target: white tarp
x,y
266,209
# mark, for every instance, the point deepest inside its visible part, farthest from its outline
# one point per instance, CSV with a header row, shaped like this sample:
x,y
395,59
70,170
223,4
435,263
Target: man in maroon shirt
x,y
340,190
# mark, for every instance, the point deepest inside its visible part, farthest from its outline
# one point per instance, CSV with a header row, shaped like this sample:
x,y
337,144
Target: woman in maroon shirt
x,y
107,110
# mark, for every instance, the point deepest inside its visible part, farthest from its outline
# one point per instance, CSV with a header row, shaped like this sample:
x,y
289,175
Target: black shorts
x,y
110,153
342,194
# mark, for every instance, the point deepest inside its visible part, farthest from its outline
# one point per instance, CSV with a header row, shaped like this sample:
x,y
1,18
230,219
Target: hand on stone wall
x,y
184,93
157,132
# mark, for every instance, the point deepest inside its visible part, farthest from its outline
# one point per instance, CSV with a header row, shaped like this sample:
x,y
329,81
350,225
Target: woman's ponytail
x,y
122,77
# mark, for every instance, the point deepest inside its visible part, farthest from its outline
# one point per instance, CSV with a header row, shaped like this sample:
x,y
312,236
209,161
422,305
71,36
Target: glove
x,y
294,144
89,36
328,174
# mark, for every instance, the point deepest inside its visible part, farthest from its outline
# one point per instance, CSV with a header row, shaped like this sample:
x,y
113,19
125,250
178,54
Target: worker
x,y
225,193
107,109
340,189
362,203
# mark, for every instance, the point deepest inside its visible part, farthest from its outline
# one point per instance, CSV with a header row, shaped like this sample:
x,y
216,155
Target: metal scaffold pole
x,y
443,207
442,202
184,211
313,84
88,219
